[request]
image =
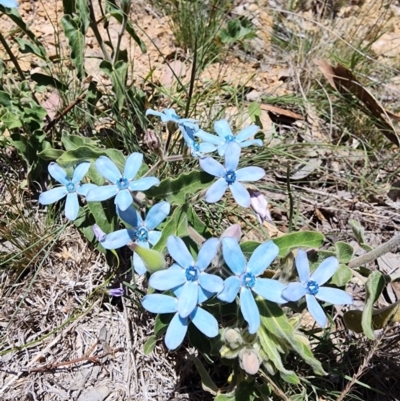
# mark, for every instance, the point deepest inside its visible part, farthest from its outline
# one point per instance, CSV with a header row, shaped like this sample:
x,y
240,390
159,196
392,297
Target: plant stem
x,y
12,57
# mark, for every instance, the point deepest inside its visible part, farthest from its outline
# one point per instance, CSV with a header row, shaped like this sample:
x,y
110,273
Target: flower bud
x,y
249,361
152,141
98,233
233,231
116,292
233,338
260,205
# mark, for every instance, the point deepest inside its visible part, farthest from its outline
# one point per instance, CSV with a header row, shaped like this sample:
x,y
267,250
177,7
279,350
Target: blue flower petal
x,y
216,191
294,291
72,206
334,296
101,193
203,295
262,257
188,298
123,199
247,132
206,147
249,310
58,173
316,310
118,239
210,138
302,266
52,195
138,264
157,215
270,289
176,332
212,167
211,282
240,194
232,156
250,174
107,168
255,142
325,270
171,114
130,215
142,184
223,129
233,255
154,237
187,134
160,303
9,3
85,188
80,171
205,322
231,289
132,165
222,148
167,279
207,253
179,252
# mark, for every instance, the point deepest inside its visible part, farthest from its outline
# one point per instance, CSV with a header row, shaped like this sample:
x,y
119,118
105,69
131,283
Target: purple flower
x,y
116,292
260,205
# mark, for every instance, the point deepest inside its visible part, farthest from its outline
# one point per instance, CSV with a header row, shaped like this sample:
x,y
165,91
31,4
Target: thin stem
x,y
121,33
12,57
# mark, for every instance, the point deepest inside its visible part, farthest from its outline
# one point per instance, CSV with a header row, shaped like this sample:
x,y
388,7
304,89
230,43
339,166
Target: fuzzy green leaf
x,y
344,251
149,345
206,382
342,276
300,239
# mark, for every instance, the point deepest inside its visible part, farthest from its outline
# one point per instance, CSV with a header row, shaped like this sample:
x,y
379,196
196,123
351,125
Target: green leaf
x,y
344,251
358,231
76,39
380,318
83,11
118,74
300,239
149,345
275,321
105,215
206,382
270,347
176,190
254,111
176,225
196,223
46,80
373,288
249,246
161,324
26,46
72,142
342,276
49,153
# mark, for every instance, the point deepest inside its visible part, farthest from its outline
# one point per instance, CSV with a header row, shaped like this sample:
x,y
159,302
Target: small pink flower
x,y
260,205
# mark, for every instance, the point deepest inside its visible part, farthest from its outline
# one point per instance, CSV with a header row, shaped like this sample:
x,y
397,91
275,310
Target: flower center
x,y
122,183
312,287
142,234
230,177
192,273
196,146
229,138
70,187
248,280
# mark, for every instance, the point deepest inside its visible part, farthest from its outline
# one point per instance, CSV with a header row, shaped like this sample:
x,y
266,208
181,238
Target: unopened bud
x,y
116,292
233,231
233,338
98,233
249,361
152,141
260,205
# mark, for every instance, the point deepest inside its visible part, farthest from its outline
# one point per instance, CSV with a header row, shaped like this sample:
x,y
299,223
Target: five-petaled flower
x,y
142,231
228,176
188,273
225,136
122,184
71,188
203,320
310,286
246,280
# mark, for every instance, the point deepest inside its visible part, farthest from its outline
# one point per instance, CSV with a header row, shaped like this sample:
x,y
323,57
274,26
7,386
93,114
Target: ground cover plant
x,y
156,244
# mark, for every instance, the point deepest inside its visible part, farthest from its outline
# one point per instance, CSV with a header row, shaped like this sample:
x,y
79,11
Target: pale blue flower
x,y
228,176
245,279
122,184
197,149
203,320
9,3
70,188
142,231
310,286
225,136
188,273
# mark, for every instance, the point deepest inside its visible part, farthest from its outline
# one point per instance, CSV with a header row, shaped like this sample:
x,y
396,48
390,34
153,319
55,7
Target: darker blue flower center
x,y
122,183
142,234
70,187
312,287
229,138
230,177
248,280
192,273
196,146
